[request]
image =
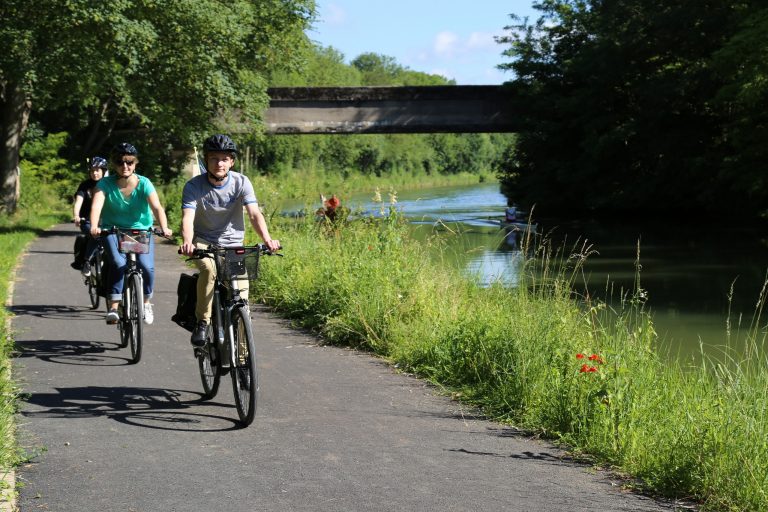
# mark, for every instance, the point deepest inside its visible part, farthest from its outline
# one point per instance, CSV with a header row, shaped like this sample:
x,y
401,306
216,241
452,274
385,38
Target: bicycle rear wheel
x,y
208,363
245,376
134,313
94,282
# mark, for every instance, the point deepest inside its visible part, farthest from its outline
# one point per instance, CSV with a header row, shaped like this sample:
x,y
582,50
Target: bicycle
x,y
131,308
229,344
94,280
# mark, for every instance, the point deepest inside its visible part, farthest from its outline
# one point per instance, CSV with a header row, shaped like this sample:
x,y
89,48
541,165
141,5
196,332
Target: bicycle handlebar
x,y
212,250
153,230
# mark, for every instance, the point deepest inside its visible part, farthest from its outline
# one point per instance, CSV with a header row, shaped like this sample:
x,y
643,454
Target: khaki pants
x,y
205,282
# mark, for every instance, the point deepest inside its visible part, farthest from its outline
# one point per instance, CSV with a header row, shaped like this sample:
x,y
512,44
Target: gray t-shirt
x,y
219,209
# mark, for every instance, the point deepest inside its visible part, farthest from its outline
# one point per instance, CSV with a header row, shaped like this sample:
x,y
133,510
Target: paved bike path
x,y
335,429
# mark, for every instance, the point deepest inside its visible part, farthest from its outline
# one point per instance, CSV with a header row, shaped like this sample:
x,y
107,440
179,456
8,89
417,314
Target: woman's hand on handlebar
x,y
95,231
167,233
274,245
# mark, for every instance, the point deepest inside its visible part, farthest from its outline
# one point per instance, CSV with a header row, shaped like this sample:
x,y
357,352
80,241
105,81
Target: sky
x,y
451,38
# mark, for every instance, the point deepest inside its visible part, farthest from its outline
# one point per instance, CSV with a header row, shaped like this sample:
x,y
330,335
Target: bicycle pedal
x,y
199,352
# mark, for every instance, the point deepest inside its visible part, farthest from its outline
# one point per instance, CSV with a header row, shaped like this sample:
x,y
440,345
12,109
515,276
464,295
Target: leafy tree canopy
x,y
640,105
167,68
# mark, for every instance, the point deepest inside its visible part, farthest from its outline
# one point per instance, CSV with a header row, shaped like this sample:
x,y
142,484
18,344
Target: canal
x,y
698,276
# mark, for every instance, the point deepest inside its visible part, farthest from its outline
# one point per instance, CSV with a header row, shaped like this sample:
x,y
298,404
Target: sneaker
x,y
76,265
112,317
198,335
86,270
149,315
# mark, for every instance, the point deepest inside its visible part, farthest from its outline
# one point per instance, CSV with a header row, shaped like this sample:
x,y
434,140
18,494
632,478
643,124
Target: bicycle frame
x,y
131,306
222,308
230,345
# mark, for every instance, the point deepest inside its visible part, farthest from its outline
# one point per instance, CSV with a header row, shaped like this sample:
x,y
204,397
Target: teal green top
x,y
131,213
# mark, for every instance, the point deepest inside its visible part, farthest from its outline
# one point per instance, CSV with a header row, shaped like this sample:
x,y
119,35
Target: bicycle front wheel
x,y
245,376
93,291
208,363
134,316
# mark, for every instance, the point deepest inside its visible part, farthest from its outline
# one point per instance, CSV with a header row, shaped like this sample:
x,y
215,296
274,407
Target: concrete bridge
x,y
429,109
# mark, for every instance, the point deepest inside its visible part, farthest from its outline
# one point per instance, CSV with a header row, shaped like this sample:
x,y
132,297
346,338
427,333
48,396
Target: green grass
x,y
523,355
16,232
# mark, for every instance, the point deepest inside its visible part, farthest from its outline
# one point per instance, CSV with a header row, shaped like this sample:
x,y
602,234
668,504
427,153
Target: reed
x,y
570,368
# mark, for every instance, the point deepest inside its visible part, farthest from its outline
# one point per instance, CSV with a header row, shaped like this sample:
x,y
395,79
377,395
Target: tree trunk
x,y
14,115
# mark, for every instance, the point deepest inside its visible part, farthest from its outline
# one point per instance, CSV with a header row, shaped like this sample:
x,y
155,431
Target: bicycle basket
x,y
239,263
136,242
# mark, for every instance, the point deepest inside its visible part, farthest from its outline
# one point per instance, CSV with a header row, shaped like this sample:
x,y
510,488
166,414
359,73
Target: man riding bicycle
x,y
212,213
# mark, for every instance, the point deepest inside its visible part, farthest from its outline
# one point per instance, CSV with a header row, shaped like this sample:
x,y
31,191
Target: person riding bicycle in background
x,y
212,213
81,211
127,201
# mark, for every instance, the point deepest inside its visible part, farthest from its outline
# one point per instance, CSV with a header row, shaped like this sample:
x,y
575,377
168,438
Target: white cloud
x,y
481,41
445,43
334,15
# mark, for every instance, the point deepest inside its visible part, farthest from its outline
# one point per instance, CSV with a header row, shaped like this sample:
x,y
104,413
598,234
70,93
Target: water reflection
x,y
688,270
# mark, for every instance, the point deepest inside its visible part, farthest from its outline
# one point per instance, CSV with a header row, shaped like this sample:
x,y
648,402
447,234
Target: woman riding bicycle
x,y
81,210
127,201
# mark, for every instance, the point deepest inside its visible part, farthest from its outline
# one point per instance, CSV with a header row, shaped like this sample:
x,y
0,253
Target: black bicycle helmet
x,y
100,162
121,149
219,143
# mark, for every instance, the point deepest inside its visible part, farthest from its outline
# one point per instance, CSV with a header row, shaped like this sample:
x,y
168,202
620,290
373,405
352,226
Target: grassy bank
x,y
535,357
15,233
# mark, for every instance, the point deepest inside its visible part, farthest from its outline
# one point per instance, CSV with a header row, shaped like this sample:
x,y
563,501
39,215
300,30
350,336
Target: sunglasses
x,y
120,163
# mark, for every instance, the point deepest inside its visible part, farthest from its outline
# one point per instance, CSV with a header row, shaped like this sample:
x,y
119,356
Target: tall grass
x,y
573,370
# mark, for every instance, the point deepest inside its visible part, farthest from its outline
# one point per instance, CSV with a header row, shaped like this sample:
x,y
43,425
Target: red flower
x,y
584,368
592,369
595,357
579,356
333,202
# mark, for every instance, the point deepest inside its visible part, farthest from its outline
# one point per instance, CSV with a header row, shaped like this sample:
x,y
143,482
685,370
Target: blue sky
x,y
447,37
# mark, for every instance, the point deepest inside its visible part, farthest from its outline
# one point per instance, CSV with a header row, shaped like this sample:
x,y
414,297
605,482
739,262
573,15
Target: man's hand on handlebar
x,y
274,245
187,248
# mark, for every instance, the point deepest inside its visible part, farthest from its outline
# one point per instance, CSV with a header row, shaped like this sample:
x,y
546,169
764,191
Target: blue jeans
x,y
118,263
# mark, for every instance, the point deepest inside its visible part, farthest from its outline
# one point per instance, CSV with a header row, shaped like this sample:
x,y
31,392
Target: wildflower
x,y
584,368
595,357
592,369
579,356
377,196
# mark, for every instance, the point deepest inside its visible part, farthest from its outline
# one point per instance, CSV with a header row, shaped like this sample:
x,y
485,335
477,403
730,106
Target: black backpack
x,y
186,293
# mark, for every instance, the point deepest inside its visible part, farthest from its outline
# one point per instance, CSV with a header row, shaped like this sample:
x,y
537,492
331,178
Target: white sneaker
x,y
149,315
112,317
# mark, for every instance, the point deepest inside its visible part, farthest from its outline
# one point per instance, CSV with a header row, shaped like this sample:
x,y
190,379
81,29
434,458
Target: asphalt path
x,y
335,429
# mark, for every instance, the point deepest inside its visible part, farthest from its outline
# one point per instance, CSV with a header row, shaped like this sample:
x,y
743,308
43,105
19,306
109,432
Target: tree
x,y
619,104
169,67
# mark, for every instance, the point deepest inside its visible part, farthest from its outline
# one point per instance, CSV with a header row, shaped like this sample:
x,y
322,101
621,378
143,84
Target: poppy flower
x,y
579,356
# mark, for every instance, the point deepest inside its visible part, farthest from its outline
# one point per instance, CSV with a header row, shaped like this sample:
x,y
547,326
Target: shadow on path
x,y
81,353
138,406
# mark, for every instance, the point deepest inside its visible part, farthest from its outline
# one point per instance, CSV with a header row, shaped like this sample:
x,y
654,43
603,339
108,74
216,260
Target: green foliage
x,y
639,105
578,372
48,181
165,68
